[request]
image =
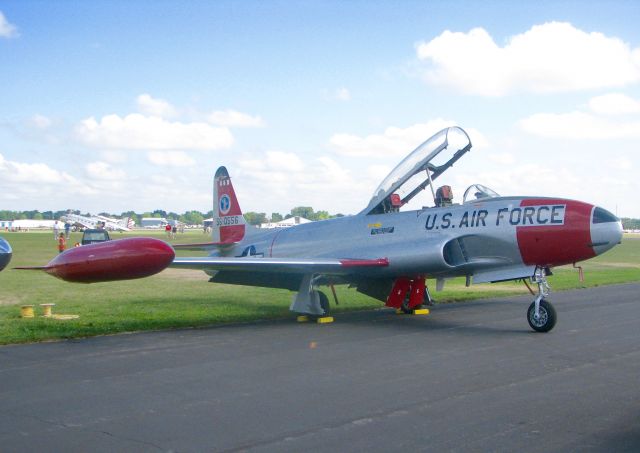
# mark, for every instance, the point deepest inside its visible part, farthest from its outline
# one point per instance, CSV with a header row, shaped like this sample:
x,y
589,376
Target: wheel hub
x,y
541,319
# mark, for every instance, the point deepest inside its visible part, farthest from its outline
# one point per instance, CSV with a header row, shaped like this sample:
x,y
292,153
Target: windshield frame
x,y
482,192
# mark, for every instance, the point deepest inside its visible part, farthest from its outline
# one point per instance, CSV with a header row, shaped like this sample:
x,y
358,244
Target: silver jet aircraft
x,y
383,251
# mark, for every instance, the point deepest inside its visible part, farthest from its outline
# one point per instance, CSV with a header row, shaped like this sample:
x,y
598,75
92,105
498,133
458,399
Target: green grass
x,y
182,298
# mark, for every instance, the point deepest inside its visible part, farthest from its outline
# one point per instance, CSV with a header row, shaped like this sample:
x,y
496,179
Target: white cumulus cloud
x,y
282,179
284,161
233,118
37,173
170,158
527,179
396,141
136,131
114,156
579,125
7,29
104,171
503,158
614,104
155,107
552,57
619,163
30,183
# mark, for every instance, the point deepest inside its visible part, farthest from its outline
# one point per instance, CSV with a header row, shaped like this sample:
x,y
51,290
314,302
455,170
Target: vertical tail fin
x,y
228,221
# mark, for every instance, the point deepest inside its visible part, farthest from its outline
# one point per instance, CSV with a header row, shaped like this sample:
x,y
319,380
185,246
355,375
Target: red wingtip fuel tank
x,y
122,259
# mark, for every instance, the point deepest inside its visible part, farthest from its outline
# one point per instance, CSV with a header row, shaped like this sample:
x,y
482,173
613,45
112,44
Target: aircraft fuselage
x,y
491,239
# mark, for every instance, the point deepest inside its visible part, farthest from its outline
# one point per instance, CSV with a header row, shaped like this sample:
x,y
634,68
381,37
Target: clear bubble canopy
x,y
419,169
478,192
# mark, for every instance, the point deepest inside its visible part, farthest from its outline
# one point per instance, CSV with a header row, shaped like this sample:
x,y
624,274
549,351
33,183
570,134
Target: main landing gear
x,y
409,295
541,315
311,304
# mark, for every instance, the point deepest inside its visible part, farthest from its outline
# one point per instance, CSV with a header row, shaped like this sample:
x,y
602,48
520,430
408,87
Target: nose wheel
x,y
541,315
545,318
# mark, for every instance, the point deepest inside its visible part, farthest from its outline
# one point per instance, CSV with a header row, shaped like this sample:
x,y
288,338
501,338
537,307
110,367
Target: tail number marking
x,y
228,220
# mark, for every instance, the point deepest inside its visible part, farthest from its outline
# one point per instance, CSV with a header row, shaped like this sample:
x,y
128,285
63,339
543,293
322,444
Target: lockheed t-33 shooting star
x,y
384,251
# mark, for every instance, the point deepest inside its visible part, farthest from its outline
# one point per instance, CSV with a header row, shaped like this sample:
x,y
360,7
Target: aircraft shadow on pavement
x,y
437,321
443,318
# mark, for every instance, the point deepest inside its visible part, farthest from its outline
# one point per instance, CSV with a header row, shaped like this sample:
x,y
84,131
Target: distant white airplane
x,y
108,223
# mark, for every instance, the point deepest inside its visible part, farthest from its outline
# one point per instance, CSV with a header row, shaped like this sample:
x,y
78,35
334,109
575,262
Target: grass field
x,y
184,298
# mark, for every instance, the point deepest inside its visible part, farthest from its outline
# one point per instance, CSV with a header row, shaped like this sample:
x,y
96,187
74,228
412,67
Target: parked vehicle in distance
x,y
92,236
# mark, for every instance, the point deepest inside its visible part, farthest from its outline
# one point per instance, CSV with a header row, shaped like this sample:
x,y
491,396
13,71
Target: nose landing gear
x,y
541,315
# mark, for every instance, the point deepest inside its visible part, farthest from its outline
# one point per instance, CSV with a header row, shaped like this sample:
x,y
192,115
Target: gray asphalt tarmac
x,y
468,377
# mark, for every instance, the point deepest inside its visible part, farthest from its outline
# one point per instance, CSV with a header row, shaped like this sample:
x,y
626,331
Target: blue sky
x,y
111,106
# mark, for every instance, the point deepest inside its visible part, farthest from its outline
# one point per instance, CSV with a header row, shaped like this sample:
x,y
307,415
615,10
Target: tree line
x,y
630,224
189,217
192,217
256,218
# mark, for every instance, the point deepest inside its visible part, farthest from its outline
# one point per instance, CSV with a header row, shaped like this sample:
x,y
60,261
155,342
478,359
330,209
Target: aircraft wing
x,y
129,258
81,224
116,226
279,265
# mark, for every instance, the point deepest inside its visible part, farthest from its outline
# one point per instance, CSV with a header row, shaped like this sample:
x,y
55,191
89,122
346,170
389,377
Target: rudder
x,y
228,221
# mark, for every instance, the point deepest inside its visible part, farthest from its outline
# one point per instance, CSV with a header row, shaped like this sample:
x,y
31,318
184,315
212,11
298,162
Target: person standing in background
x,y
56,230
62,243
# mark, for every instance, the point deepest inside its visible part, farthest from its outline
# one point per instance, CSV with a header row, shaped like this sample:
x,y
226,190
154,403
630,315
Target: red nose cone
x,y
123,259
565,241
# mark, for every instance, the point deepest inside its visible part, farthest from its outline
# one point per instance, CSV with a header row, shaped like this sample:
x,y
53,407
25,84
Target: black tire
x,y
409,311
324,302
548,317
405,305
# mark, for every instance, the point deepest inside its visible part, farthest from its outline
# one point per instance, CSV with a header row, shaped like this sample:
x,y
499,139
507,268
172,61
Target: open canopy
x,y
419,169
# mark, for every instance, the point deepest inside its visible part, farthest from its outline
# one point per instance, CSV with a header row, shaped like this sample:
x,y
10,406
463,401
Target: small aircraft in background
x,y
81,222
386,251
5,253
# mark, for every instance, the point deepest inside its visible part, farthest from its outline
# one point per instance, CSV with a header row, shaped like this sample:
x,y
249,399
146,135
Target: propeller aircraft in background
x,y
386,251
81,222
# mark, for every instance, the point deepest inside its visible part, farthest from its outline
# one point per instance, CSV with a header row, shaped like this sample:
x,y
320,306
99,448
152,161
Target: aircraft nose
x,y
606,230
